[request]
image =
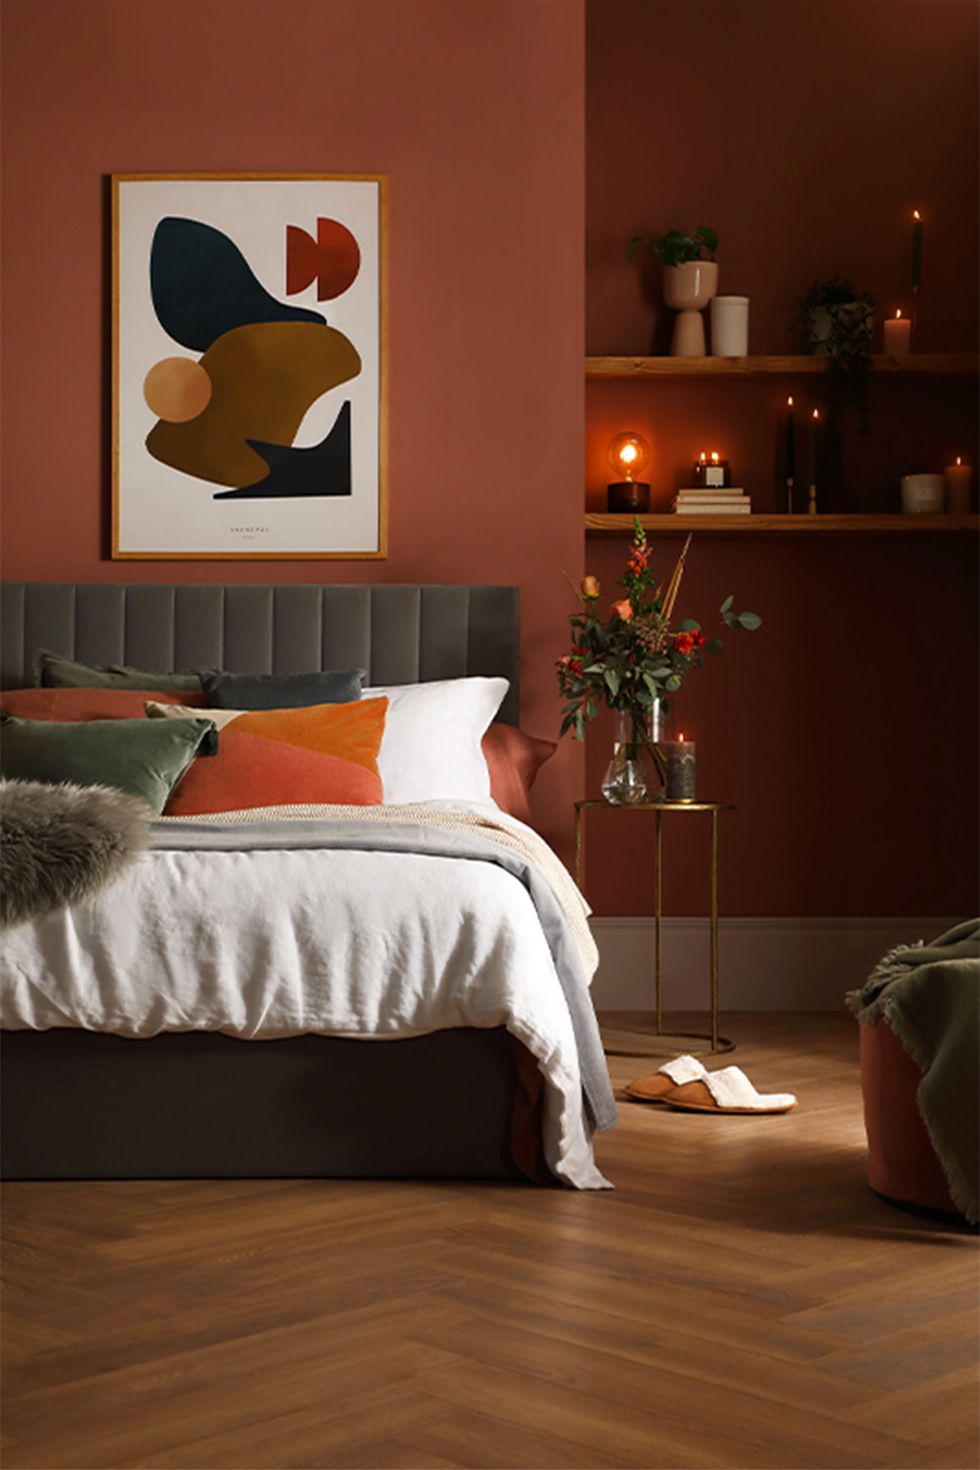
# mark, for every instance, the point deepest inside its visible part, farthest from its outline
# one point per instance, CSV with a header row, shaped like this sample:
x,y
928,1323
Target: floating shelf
x,y
952,364
800,525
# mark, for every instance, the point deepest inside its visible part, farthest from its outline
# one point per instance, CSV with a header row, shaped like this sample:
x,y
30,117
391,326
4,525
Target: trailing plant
x,y
848,351
676,247
634,656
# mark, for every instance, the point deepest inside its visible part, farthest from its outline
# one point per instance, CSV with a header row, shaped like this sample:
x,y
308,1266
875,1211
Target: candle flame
x,y
958,460
680,737
898,313
714,456
916,214
789,401
816,413
704,457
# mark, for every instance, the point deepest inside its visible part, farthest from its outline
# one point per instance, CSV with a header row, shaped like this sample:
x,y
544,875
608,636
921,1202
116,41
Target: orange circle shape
x,y
177,389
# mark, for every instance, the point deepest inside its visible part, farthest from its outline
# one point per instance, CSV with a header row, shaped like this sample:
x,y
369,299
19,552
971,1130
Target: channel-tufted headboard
x,y
400,634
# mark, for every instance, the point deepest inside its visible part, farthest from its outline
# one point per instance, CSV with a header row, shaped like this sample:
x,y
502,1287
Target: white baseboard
x,y
784,964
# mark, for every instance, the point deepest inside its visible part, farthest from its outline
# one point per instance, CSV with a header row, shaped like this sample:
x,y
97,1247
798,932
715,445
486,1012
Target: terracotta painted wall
x,y
476,113
846,730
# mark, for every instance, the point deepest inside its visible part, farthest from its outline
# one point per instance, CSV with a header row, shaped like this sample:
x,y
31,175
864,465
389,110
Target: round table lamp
x,y
628,455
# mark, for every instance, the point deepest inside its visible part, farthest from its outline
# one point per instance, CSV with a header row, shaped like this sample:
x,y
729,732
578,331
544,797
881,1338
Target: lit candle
x,y
717,473
814,440
790,453
898,335
681,769
958,488
700,466
916,251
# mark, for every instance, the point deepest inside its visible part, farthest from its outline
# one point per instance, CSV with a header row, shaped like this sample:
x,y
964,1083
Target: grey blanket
x,y
375,836
929,994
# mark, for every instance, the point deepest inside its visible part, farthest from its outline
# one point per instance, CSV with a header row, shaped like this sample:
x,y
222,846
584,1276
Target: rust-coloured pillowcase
x,y
323,753
90,704
514,760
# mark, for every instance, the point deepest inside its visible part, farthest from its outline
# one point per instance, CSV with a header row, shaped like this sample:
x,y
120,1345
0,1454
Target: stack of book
x,y
727,502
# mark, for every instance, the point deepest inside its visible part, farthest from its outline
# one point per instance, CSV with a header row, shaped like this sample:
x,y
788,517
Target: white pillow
x,y
431,749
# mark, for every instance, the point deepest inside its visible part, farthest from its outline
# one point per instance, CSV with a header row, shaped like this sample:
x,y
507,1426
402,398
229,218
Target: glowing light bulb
x,y
628,455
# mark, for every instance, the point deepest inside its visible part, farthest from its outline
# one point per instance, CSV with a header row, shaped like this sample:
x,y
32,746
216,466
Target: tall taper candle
x,y
814,435
916,251
790,453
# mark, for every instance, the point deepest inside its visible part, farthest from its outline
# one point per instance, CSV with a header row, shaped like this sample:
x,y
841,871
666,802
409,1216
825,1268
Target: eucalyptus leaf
x,y
612,682
750,620
713,645
726,604
689,625
673,684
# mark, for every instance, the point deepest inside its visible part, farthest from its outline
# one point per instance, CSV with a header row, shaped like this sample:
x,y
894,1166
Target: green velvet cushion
x,y
143,757
54,671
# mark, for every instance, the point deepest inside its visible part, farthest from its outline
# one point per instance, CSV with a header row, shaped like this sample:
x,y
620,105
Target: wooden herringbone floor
x,y
741,1300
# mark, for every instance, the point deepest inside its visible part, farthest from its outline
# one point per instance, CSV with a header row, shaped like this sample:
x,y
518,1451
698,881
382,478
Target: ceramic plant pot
x,y
848,324
688,288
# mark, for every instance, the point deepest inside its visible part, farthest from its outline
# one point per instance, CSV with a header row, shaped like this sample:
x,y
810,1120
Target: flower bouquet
x,y
633,661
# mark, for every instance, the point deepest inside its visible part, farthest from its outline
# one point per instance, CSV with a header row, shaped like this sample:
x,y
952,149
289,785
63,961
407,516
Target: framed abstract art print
x,y
248,366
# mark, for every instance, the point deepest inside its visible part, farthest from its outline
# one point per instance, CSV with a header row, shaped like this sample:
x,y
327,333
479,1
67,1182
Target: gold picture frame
x,y
148,497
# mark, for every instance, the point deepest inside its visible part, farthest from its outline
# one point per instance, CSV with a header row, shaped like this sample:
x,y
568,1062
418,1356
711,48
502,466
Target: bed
x,y
464,1101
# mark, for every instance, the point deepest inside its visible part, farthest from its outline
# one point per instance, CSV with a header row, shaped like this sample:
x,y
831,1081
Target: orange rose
x,y
590,587
622,610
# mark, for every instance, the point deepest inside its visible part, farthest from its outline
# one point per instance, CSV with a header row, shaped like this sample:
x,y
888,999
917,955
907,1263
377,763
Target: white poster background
x,y
161,510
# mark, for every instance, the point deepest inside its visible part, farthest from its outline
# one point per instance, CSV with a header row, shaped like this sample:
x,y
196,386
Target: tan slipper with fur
x,y
666,1079
727,1091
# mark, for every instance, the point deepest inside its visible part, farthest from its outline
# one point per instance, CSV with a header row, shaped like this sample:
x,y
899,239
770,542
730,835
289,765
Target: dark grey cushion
x,y
281,691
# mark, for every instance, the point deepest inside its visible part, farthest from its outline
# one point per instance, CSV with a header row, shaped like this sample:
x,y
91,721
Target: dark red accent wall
x,y
476,113
846,729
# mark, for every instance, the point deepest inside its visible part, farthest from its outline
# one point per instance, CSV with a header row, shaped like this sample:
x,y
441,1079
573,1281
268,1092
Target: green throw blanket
x,y
930,996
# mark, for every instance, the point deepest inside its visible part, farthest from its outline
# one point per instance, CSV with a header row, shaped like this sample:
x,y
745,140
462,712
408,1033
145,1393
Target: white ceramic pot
x,y
923,495
688,288
730,326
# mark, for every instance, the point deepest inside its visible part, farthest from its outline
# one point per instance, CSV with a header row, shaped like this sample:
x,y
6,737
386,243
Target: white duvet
x,y
260,944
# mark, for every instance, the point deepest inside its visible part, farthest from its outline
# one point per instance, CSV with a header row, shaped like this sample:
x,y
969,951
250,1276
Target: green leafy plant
x,y
676,247
847,347
634,656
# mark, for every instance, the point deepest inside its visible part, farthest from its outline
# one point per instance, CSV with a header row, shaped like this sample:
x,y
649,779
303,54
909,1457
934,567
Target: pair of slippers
x,y
685,1084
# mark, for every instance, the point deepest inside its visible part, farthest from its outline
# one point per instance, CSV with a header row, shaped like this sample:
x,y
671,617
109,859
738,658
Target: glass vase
x,y
628,777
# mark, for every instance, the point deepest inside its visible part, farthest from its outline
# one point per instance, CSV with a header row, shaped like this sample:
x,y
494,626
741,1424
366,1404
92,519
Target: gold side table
x,y
659,1042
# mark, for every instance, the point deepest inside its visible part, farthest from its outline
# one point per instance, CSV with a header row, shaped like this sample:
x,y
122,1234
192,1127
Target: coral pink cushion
x,y
90,704
514,760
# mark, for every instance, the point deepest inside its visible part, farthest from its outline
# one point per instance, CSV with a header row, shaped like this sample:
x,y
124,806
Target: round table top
x,y
658,806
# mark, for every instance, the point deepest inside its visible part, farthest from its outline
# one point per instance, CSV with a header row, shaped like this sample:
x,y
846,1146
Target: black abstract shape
x,y
322,470
202,286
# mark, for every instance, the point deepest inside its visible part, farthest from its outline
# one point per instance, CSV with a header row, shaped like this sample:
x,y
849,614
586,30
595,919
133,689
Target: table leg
x,y
657,916
714,931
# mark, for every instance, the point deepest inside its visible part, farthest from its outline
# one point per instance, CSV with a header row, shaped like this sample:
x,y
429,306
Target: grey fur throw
x,y
61,844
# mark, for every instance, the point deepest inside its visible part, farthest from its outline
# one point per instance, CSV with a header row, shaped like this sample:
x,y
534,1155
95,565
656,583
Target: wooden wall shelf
x,y
952,364
802,525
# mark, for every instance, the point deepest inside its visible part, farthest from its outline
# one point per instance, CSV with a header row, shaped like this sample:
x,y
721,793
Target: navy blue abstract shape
x,y
202,286
322,470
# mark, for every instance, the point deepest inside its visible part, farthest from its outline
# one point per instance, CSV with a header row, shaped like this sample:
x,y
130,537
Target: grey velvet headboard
x,y
400,634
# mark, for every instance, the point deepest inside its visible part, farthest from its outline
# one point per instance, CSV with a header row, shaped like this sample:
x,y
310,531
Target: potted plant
x,y
837,320
632,661
690,280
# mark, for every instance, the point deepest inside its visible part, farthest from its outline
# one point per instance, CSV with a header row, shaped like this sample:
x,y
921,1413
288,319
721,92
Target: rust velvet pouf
x,y
902,1164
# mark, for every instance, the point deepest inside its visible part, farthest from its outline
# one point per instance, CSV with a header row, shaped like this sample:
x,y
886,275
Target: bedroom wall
x,y
846,730
476,113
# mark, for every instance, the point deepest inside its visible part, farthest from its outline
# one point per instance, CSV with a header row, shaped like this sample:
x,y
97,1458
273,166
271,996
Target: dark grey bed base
x,y
78,1105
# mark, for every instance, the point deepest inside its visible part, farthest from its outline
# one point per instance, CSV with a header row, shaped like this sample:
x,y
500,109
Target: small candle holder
x,y
681,775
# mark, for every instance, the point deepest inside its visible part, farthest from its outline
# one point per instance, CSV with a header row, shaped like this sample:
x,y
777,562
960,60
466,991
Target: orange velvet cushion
x,y
90,704
325,753
514,760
